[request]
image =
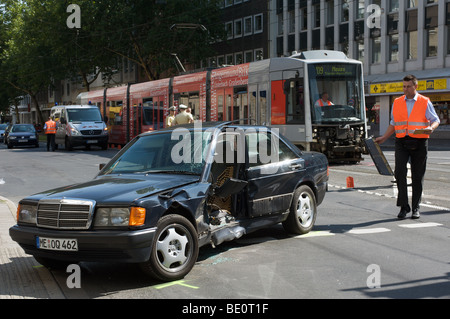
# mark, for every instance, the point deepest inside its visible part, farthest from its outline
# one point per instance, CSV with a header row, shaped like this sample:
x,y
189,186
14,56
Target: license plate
x,y
62,244
23,141
91,141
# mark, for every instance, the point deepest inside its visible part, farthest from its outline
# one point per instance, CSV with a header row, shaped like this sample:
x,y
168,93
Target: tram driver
x,y
324,100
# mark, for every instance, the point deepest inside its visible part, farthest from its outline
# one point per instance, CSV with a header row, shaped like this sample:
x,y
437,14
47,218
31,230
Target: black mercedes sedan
x,y
169,192
22,135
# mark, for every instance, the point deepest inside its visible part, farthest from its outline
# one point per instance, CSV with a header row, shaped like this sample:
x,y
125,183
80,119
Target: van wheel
x,y
68,145
174,249
302,213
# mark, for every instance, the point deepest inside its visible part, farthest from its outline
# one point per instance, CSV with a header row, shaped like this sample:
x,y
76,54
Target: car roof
x,y
208,125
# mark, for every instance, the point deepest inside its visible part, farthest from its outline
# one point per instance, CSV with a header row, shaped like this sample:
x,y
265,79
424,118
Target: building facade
x,y
247,26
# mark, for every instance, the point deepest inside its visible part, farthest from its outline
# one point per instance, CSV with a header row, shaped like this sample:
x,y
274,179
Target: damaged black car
x,y
169,192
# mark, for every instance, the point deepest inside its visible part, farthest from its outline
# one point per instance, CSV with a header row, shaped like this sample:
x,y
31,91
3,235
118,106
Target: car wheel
x,y
303,211
9,146
174,249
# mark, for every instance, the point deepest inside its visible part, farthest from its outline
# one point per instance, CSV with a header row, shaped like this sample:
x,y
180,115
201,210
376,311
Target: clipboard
x,y
378,158
423,131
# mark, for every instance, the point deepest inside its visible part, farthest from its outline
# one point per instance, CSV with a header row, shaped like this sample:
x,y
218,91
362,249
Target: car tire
x,y
9,146
302,213
174,249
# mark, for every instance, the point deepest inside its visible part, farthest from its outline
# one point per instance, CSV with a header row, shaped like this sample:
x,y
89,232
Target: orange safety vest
x,y
50,127
321,103
416,120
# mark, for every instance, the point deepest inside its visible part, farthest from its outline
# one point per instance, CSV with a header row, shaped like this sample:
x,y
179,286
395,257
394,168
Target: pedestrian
x,y
413,119
183,117
171,116
50,130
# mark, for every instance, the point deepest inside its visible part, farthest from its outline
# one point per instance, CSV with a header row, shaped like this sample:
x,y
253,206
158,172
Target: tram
x,y
278,92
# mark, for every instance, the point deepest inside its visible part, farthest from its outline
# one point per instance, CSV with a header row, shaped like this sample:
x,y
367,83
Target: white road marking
x,y
318,233
420,225
363,231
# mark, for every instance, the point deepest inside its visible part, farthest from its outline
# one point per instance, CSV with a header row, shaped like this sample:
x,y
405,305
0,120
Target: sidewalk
x,y
21,276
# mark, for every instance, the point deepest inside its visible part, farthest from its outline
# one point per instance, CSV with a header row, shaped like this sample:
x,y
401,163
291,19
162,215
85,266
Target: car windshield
x,y
84,115
22,128
180,151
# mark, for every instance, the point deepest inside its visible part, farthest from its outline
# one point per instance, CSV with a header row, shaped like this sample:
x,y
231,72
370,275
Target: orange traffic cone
x,y
350,182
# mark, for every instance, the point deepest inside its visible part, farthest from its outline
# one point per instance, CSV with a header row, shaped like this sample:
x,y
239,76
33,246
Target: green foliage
x,y
37,48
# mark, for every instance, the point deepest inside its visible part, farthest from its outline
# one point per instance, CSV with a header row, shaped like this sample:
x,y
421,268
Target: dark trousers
x,y
50,142
415,151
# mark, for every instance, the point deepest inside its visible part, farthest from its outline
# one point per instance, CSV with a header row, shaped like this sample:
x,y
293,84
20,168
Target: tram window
x,y
148,111
228,107
116,112
161,115
262,107
220,108
295,106
252,107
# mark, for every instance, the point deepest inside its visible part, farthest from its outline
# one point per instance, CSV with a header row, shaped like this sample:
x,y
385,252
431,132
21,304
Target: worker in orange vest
x,y
323,100
413,119
50,130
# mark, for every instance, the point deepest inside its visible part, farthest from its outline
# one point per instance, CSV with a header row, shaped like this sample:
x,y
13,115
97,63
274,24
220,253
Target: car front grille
x,y
91,132
65,213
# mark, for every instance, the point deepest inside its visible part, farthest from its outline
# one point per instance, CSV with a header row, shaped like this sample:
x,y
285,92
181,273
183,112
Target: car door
x,y
273,172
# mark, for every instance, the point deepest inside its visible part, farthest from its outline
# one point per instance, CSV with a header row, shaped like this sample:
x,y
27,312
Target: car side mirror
x,y
230,187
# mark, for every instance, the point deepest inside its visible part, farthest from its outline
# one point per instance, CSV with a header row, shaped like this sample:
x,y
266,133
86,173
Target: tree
x,y
147,32
27,61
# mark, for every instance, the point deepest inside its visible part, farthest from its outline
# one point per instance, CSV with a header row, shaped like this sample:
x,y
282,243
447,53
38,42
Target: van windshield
x,y
84,115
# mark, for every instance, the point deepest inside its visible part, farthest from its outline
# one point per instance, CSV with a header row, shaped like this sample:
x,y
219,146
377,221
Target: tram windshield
x,y
336,93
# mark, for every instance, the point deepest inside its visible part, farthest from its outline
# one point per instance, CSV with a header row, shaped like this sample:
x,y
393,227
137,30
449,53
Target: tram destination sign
x,y
334,69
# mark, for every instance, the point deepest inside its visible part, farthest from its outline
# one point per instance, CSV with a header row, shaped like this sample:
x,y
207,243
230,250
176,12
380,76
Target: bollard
x,y
350,182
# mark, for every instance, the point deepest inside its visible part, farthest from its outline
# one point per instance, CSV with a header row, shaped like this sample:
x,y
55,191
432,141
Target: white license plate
x,y
91,141
23,141
62,244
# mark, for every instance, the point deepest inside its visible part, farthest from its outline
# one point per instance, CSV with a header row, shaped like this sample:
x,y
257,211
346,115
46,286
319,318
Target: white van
x,y
79,125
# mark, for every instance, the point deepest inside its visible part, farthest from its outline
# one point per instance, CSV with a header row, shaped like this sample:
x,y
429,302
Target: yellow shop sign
x,y
396,87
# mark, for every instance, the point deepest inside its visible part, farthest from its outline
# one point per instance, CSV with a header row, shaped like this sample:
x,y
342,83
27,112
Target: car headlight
x,y
13,138
26,214
105,131
74,132
119,217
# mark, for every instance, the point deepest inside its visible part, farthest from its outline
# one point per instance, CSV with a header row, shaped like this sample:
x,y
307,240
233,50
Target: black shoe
x,y
415,214
403,212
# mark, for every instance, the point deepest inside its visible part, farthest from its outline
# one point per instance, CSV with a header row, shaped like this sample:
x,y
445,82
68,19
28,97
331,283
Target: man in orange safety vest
x,y
50,130
413,119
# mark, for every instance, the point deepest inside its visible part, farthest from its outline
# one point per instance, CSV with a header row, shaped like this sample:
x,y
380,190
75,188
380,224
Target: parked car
x,y
169,192
22,135
2,131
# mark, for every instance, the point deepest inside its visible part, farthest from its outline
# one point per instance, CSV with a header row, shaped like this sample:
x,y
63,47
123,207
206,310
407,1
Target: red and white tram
x,y
278,92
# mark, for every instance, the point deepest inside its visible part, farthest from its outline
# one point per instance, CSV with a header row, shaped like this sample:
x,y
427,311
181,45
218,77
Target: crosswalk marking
x,y
420,225
362,231
316,234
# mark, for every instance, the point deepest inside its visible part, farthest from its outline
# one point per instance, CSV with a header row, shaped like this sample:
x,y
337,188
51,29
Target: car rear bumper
x,y
104,245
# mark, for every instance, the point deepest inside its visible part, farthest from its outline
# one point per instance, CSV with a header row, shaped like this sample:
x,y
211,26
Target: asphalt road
x,y
358,248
